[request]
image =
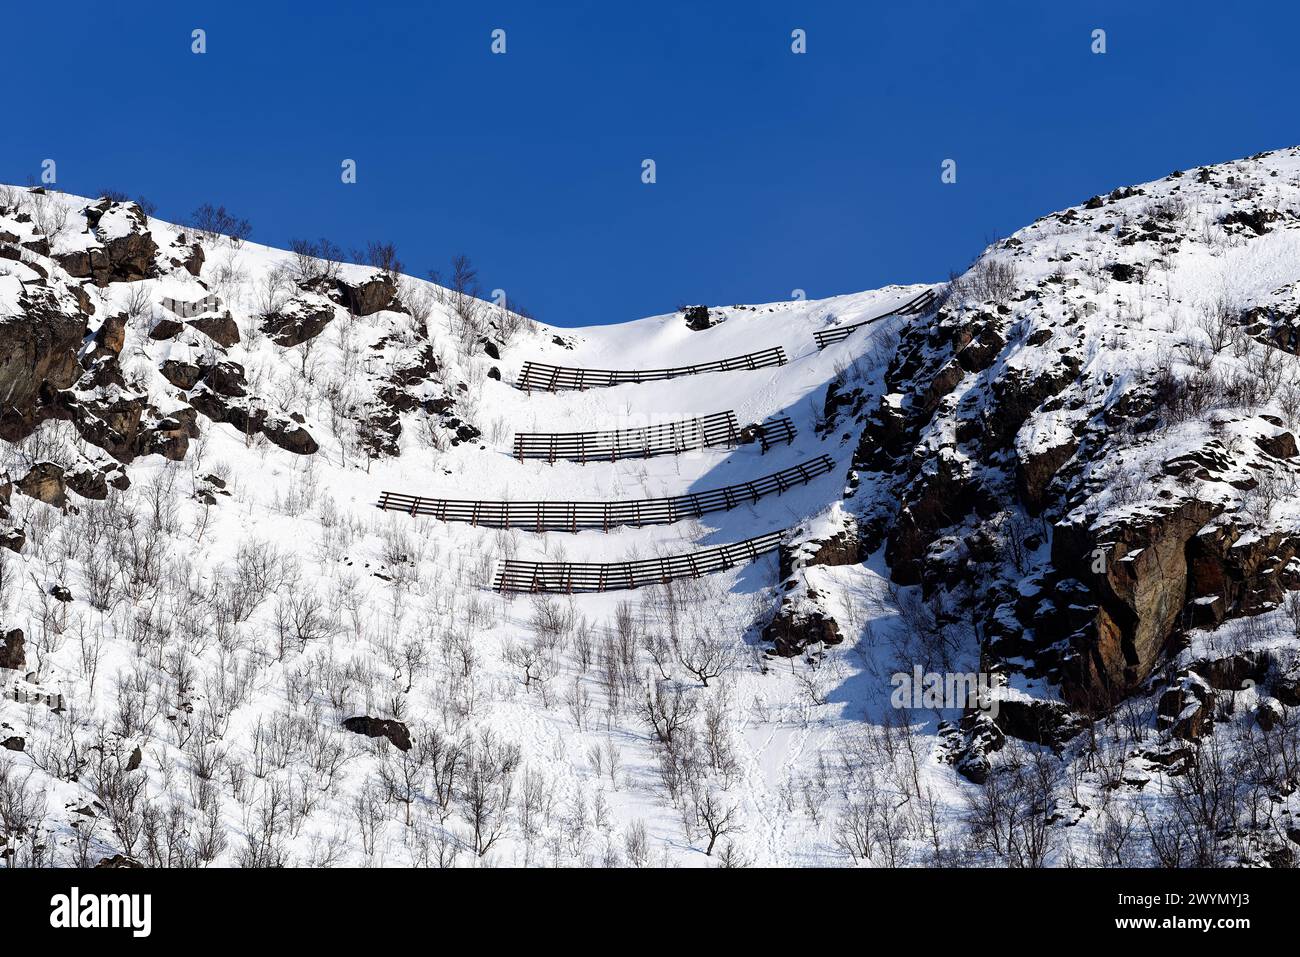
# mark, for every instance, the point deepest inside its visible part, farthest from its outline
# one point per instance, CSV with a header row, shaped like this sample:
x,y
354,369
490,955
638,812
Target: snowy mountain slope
x,y
1076,476
232,601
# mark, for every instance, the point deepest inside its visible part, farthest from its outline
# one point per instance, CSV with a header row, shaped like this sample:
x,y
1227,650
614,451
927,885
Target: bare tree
x,y
717,817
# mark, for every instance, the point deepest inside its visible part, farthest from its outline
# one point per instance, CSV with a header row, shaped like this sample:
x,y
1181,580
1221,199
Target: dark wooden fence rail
x,y
670,438
774,431
549,378
913,307
570,577
573,516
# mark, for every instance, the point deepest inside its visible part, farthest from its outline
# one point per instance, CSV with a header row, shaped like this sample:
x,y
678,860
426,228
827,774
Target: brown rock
x,y
221,329
291,437
45,483
38,357
183,375
12,654
1280,446
302,318
12,538
1187,709
369,296
1036,469
791,633
165,329
112,333
1140,594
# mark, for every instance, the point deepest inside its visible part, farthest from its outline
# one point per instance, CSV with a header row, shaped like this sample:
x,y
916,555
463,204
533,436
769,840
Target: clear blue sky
x,y
775,171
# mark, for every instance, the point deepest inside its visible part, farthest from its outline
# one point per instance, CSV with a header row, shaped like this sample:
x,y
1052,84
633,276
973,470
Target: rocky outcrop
x,y
44,482
1232,573
790,632
251,418
1186,709
1137,571
302,318
219,327
124,250
942,494
371,295
697,318
38,357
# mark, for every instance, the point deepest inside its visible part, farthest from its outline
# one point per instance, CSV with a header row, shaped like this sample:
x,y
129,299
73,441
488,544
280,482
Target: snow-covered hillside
x,y
1076,473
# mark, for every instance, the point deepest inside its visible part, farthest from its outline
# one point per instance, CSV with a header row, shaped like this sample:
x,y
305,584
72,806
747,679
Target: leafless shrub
x,y
314,263
216,222
991,279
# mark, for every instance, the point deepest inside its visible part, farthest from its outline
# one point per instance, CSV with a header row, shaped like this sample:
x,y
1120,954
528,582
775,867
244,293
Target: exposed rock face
x,y
12,654
38,357
370,295
1138,572
183,254
1038,459
943,492
250,418
791,632
11,537
124,251
221,328
698,318
112,333
1233,574
394,731
302,318
44,482
1187,708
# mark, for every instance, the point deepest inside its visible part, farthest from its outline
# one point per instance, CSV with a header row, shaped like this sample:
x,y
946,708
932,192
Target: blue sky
x,y
775,171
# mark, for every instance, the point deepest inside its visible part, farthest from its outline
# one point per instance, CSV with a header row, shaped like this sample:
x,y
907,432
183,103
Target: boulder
x,y
44,482
698,318
88,482
168,437
394,731
300,319
791,632
221,328
165,329
369,296
12,537
186,255
1186,709
112,333
111,421
184,375
290,436
1280,446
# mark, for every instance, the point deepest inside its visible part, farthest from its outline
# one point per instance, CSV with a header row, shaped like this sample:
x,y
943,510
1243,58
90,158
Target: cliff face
x,y
1088,455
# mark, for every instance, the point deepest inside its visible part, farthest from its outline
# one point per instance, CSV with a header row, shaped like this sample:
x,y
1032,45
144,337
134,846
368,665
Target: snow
x,y
413,630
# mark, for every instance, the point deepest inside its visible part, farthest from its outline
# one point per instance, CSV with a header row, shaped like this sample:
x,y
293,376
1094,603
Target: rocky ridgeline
x,y
1086,456
67,268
